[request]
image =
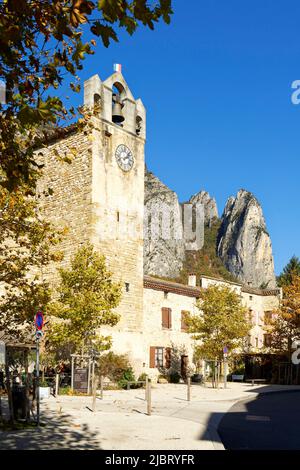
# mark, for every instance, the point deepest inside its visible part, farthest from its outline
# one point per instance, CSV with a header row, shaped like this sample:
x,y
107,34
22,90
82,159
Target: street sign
x,y
39,320
39,334
225,350
2,353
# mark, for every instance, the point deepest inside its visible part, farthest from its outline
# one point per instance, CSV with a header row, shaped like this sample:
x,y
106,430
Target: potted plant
x,y
44,389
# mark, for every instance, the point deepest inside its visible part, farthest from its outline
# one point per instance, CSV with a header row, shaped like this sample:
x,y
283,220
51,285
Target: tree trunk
x,y
9,395
27,389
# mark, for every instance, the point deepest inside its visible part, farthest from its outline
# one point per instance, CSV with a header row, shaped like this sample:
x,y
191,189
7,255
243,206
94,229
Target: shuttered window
x,y
166,318
168,358
152,356
160,357
184,314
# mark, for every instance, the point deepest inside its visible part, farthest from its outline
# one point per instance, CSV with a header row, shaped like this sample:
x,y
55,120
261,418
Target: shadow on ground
x,y
58,432
269,421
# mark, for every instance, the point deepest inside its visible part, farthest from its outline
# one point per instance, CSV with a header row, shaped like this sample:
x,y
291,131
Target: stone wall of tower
x,y
70,205
118,203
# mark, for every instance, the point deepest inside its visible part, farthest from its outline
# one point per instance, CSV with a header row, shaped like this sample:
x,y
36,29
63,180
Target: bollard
x,y
149,399
56,384
94,393
189,389
146,388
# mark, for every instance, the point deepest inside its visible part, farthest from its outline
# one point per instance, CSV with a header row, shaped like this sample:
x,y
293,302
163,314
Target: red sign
x,y
39,320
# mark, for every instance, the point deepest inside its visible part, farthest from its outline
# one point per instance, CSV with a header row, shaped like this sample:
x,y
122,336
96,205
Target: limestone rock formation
x,y
209,206
244,244
164,250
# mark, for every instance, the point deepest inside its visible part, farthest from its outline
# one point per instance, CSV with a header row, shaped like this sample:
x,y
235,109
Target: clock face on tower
x,y
124,157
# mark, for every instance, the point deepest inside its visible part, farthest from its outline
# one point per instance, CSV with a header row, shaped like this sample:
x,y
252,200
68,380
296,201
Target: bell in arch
x,y
117,115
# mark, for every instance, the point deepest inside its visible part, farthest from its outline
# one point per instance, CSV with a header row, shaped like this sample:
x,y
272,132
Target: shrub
x,y
174,378
114,366
238,370
142,378
128,376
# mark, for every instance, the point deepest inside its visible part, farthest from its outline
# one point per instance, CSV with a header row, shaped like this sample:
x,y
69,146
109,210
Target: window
x,y
267,340
118,216
256,342
160,357
168,358
127,286
184,314
166,318
165,295
250,316
250,297
267,318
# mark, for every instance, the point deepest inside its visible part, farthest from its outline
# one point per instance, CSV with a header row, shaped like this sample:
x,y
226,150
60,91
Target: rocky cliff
x,y
244,244
209,206
164,252
236,247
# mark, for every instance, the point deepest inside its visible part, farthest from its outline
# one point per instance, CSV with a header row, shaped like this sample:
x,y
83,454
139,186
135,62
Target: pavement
x,y
120,420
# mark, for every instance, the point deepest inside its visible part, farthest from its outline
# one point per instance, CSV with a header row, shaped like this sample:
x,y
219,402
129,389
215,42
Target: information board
x,y
81,379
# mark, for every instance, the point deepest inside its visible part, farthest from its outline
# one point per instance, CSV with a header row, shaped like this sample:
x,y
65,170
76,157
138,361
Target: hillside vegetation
x,y
206,261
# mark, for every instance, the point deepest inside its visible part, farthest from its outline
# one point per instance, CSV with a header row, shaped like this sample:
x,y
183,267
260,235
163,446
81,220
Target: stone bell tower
x,y
99,197
117,188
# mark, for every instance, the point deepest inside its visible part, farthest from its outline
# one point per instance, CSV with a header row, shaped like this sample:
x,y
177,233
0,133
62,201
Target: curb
x,y
215,439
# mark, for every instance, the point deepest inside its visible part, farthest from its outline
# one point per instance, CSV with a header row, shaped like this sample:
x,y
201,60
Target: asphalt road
x,y
271,421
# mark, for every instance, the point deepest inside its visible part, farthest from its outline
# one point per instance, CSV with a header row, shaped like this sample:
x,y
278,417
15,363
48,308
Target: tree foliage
x,y
86,299
285,324
42,42
292,268
221,321
27,245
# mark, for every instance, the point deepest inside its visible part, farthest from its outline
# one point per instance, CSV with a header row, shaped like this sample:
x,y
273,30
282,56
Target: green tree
x,y
221,321
284,326
27,246
292,268
41,43
86,299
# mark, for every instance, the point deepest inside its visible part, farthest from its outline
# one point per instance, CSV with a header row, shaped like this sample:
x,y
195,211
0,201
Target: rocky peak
x,y
244,244
209,205
163,255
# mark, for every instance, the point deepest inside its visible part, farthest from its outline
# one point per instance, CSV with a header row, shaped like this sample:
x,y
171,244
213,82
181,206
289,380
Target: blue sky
x,y
217,87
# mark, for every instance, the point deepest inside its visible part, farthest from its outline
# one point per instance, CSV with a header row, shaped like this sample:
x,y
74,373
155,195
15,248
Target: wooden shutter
x,y
168,358
169,318
165,317
152,357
